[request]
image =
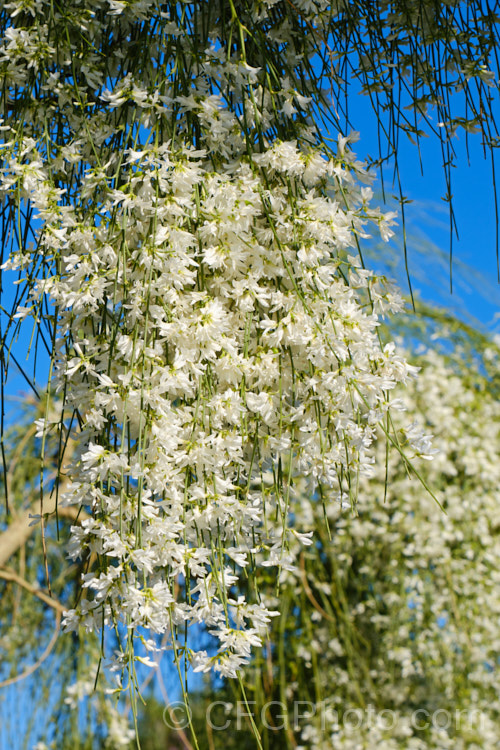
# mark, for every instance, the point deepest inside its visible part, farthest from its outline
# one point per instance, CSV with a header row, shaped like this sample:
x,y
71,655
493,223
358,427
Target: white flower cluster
x,y
119,733
212,329
213,324
404,599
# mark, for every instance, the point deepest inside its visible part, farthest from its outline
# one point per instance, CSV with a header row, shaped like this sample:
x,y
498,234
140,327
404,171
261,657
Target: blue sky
x,y
476,291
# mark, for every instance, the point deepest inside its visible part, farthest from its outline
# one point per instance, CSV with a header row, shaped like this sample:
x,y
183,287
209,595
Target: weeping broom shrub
x,y
388,628
387,631
398,613
209,318
187,244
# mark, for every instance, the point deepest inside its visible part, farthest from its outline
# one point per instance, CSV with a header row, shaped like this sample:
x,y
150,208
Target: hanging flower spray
x,y
192,249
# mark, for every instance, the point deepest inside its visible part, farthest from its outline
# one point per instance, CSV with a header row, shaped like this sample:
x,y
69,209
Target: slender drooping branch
x,y
10,575
23,527
29,671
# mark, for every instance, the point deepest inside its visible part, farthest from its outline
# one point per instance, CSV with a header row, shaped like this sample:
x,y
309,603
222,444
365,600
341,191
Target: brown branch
x,y
10,575
18,532
14,461
317,606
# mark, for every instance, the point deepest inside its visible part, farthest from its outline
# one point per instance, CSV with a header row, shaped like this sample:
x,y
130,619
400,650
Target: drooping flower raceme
x,y
215,331
213,328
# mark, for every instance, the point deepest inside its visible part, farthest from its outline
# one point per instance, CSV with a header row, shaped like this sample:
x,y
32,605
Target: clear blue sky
x,y
476,291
